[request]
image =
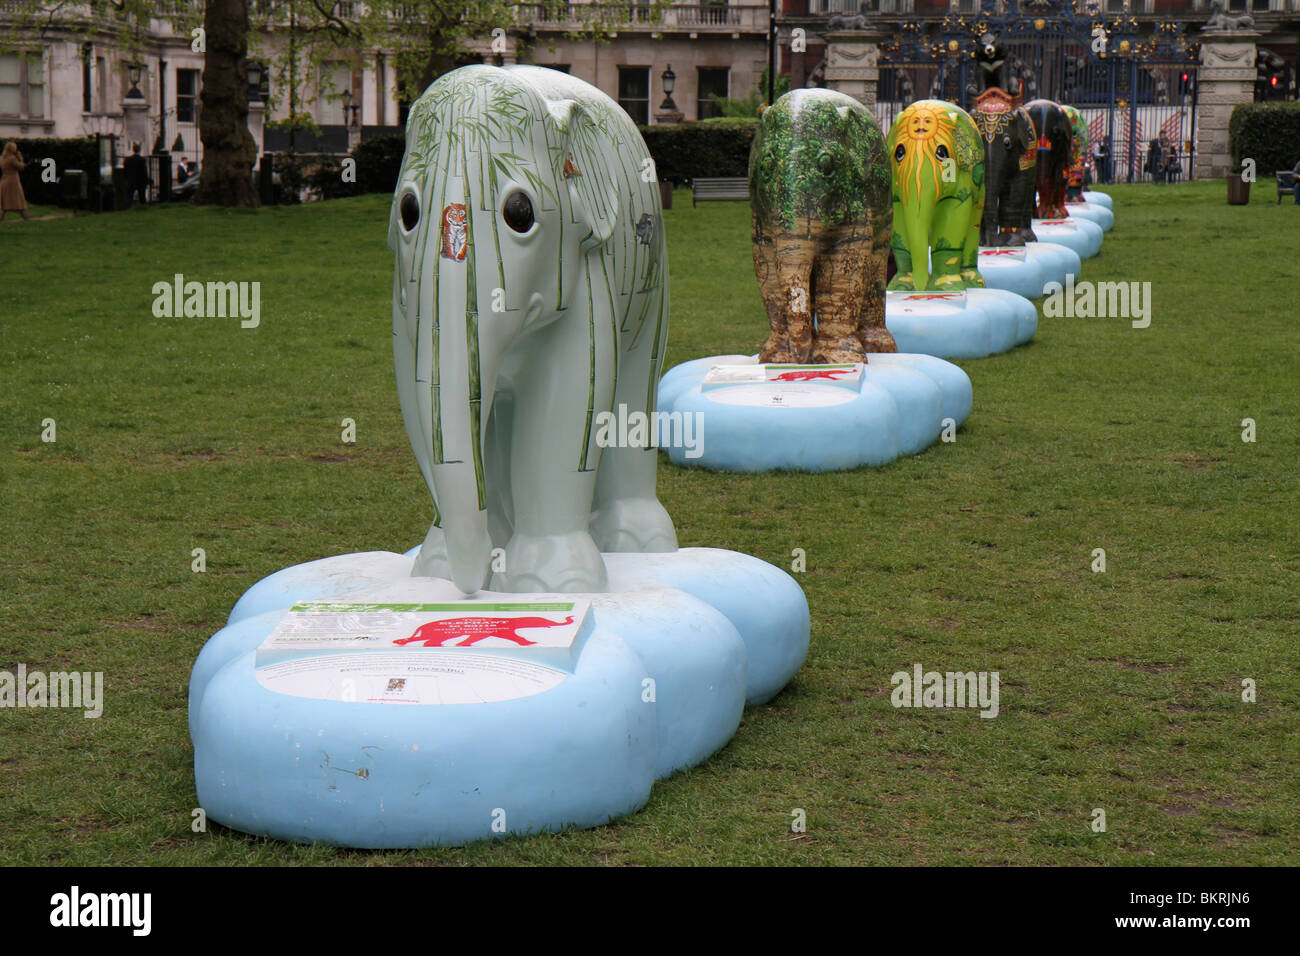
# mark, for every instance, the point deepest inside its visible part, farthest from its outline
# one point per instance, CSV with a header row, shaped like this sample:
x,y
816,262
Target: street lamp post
x,y
771,51
669,79
253,70
134,70
668,111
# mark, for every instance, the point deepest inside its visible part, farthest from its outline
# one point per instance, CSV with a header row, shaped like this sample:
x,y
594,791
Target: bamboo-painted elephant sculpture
x,y
1054,135
820,188
1010,165
530,296
1080,154
938,172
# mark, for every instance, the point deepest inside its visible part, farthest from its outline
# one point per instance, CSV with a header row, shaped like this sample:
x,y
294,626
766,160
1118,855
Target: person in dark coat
x,y
137,174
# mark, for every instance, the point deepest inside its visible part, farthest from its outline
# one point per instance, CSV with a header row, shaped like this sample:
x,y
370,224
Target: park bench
x,y
1286,182
718,189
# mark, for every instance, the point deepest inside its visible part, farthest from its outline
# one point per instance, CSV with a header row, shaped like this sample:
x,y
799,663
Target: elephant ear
x,y
1029,136
590,166
970,150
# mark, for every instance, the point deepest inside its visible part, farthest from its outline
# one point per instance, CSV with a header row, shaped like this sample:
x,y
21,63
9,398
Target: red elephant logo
x,y
475,629
808,375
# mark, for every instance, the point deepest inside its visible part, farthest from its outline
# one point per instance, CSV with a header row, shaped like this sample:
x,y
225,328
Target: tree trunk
x,y
228,148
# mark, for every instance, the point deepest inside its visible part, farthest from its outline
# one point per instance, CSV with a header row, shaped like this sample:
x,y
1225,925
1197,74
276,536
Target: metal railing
x,y
735,16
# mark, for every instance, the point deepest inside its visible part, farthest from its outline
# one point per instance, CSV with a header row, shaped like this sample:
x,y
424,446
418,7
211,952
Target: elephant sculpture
x,y
530,295
819,185
1054,135
1010,167
1080,155
938,172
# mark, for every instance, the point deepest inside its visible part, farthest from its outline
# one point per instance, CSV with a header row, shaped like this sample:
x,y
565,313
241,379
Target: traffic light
x,y
1185,83
1272,76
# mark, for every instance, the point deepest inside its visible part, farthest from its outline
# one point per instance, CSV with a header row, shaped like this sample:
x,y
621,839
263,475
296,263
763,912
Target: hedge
x,y
716,148
378,162
1268,133
67,154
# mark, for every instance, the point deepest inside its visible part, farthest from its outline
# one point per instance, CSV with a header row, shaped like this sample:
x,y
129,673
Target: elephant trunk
x,y
462,397
916,232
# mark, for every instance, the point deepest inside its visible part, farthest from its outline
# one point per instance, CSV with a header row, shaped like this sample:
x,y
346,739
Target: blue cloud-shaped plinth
x,y
666,661
900,408
973,324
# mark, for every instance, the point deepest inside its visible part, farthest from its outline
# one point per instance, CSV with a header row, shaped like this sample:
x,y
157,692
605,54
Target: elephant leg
x,y
951,222
970,259
554,455
994,210
788,297
769,288
902,280
627,515
496,468
872,333
431,561
838,281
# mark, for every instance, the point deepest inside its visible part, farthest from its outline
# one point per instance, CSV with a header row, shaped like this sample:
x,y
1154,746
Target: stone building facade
x,y
57,86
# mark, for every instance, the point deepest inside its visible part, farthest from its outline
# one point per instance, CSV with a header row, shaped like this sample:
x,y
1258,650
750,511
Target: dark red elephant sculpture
x,y
1054,137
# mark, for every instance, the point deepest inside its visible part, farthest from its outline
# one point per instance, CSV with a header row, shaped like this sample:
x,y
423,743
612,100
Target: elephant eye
x,y
410,210
898,153
518,212
941,151
825,162
1006,141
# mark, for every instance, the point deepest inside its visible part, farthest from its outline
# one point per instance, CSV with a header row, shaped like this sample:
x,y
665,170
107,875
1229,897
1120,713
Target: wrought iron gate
x,y
1131,87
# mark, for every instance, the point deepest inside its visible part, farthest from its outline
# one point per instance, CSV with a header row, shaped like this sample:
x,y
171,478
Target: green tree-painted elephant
x,y
1080,154
530,296
820,189
1010,165
938,171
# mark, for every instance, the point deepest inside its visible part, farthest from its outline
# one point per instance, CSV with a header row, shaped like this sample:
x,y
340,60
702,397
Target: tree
x,y
752,104
229,151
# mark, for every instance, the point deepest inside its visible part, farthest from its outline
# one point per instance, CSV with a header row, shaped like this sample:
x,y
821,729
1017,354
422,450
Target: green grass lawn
x,y
1120,691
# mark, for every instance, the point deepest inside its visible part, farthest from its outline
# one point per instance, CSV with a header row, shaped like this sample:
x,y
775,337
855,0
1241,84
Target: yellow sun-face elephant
x,y
937,158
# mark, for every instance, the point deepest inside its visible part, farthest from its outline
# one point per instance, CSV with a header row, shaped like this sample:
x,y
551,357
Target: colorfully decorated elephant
x,y
820,189
1080,155
1054,135
530,297
938,170
1010,165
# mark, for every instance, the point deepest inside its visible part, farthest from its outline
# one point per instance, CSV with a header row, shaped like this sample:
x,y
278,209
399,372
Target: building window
x,y
187,96
22,85
716,13
634,92
559,67
87,57
334,81
712,81
101,83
